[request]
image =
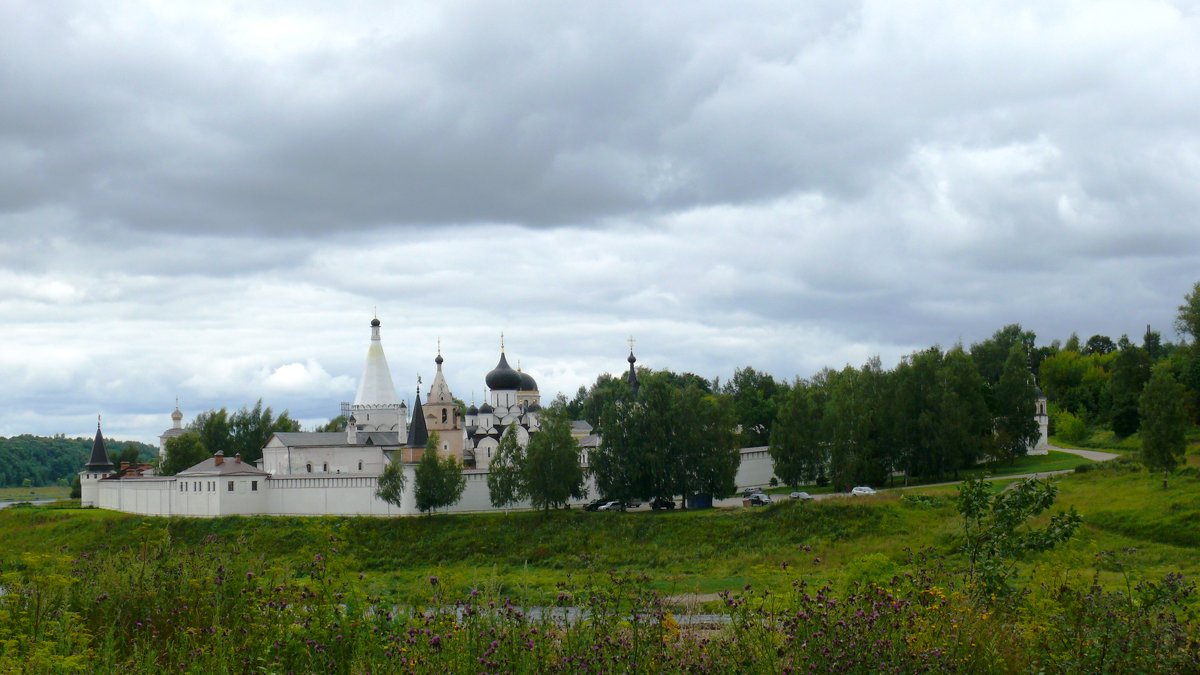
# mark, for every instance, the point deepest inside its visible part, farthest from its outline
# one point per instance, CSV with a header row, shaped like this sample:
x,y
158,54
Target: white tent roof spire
x,y
375,386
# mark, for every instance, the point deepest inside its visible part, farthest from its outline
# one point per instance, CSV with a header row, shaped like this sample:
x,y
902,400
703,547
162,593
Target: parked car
x,y
595,504
750,491
759,499
612,505
862,490
661,503
801,496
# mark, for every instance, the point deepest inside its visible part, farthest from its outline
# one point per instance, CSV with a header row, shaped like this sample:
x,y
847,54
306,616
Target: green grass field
x,y
531,555
15,494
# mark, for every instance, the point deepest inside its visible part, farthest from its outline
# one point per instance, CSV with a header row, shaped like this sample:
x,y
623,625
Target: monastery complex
x,y
335,473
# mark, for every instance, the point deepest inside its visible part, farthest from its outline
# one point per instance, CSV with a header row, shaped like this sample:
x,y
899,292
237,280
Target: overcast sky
x,y
207,201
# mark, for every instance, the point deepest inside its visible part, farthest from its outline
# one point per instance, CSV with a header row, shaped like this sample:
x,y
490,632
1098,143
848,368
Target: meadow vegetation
x,y
855,584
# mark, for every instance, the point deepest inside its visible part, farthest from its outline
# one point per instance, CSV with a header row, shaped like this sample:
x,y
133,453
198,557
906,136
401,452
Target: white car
x,y
801,496
862,490
610,506
759,499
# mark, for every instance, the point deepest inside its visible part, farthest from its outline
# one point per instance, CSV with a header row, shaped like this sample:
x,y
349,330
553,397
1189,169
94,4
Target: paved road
x,y
1094,455
30,501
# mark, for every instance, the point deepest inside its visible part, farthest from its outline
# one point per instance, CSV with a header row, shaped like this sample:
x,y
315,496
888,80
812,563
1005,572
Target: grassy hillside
x,y
836,585
530,554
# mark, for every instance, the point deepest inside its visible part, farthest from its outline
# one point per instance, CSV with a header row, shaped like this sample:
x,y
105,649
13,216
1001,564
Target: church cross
x,y
631,341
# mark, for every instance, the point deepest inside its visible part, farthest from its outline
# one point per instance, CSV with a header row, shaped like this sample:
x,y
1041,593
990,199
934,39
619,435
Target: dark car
x,y
595,504
661,503
748,492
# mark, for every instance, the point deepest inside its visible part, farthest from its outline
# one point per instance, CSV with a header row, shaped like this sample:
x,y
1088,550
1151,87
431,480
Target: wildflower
x,y
433,581
436,641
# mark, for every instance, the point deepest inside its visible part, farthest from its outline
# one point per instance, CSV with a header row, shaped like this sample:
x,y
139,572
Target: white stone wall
x,y
756,469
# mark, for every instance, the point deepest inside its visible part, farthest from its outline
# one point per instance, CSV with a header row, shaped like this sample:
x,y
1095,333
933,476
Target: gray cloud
x,y
208,201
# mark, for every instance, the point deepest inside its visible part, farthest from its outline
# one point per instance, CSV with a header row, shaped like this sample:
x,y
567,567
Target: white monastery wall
x,y
756,468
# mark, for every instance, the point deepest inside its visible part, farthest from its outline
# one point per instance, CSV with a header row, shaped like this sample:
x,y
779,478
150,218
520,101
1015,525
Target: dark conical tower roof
x,y
99,461
418,434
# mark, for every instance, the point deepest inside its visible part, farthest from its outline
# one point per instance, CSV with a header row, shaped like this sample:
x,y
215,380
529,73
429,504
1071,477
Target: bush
x,y
1068,426
1083,468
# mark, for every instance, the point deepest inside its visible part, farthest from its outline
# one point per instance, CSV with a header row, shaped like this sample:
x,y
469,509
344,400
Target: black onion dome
x,y
527,382
503,377
631,358
439,360
472,410
375,323
486,409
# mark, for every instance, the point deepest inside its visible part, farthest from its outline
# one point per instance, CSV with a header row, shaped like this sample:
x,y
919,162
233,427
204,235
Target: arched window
x,y
308,467
443,415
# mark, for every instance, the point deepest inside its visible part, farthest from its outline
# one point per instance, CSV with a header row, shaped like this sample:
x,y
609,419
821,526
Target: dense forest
x,y
43,460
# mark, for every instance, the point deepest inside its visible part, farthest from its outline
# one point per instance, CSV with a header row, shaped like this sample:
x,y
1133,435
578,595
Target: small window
x,y
360,465
325,467
230,486
254,486
443,415
308,467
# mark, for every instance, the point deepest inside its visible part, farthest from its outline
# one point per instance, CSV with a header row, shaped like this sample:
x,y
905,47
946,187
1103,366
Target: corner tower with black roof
x,y
98,466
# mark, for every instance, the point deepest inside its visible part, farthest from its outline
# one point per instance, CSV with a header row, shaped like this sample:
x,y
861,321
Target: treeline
x,y
244,432
937,412
56,460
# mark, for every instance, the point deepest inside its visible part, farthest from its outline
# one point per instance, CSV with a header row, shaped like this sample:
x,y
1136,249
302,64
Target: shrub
x,y
1068,426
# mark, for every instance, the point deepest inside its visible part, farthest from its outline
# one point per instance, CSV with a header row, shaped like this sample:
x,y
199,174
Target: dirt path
x,y
1094,455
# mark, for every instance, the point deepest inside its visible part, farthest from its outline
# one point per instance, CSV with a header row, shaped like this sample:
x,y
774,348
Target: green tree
x,y
753,393
244,432
506,471
1015,427
705,445
1072,344
128,454
796,445
990,355
963,430
182,452
1164,422
916,397
391,483
1131,371
1187,321
619,464
997,531
439,481
336,424
553,474
1099,344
